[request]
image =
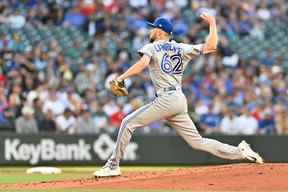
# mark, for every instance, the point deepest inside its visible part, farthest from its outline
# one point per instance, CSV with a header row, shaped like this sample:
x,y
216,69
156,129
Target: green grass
x,y
20,178
10,175
18,175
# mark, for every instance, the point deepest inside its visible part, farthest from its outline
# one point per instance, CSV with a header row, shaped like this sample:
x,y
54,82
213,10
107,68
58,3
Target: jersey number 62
x,y
172,64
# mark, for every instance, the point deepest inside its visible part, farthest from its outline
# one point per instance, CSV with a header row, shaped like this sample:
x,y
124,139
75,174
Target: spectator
x,y
83,79
230,58
281,120
74,18
210,121
117,117
3,99
268,59
47,124
39,115
15,98
66,123
71,99
86,124
246,124
26,123
228,124
267,123
263,12
99,116
7,120
245,25
16,21
53,103
138,3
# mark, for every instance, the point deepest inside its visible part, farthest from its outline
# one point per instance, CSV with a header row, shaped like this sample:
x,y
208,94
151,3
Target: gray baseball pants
x,y
172,106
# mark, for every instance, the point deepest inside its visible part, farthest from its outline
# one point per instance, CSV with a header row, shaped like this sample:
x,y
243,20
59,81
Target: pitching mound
x,y
235,177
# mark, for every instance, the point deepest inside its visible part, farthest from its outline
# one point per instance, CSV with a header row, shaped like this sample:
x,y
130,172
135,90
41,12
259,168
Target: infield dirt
x,y
233,177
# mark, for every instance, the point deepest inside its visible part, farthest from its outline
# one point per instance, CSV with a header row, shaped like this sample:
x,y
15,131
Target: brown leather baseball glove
x,y
118,88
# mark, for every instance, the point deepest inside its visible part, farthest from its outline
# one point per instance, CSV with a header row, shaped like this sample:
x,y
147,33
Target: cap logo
x,y
160,25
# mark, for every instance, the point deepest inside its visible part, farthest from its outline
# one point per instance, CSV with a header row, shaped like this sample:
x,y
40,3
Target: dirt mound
x,y
234,177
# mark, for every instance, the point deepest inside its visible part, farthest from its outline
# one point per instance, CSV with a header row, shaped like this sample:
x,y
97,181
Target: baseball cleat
x,y
108,171
249,154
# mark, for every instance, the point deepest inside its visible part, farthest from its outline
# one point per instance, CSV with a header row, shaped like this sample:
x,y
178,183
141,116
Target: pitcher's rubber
x,y
234,177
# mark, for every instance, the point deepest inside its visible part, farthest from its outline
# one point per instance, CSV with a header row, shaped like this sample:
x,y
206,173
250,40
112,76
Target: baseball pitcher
x,y
166,61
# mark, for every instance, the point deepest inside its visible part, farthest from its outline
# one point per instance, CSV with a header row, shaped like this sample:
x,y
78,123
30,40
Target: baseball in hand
x,y
207,18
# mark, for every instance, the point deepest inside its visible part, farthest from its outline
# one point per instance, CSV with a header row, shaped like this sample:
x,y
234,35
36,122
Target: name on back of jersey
x,y
167,47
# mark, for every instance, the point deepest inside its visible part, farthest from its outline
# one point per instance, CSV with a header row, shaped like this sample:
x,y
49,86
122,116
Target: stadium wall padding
x,y
52,149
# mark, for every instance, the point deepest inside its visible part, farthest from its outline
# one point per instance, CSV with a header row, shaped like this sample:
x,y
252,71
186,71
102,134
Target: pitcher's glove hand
x,y
118,88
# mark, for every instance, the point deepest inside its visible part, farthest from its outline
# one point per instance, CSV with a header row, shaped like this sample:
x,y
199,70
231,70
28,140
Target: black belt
x,y
169,89
165,89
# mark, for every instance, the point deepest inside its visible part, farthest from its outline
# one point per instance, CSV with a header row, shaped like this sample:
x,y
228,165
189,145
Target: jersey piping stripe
x,y
128,120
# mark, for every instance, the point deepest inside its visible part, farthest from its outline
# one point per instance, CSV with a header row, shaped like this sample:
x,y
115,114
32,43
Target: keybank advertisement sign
x,y
56,149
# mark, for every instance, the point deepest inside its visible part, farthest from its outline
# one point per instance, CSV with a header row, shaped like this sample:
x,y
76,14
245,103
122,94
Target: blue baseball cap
x,y
163,24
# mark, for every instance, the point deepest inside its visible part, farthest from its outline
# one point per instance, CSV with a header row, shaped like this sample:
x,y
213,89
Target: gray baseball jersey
x,y
168,61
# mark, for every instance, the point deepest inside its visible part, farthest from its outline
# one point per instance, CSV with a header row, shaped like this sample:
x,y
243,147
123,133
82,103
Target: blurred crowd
x,y
44,90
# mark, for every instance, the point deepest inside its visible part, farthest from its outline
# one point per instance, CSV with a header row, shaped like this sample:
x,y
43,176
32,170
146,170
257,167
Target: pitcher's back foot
x,y
249,154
